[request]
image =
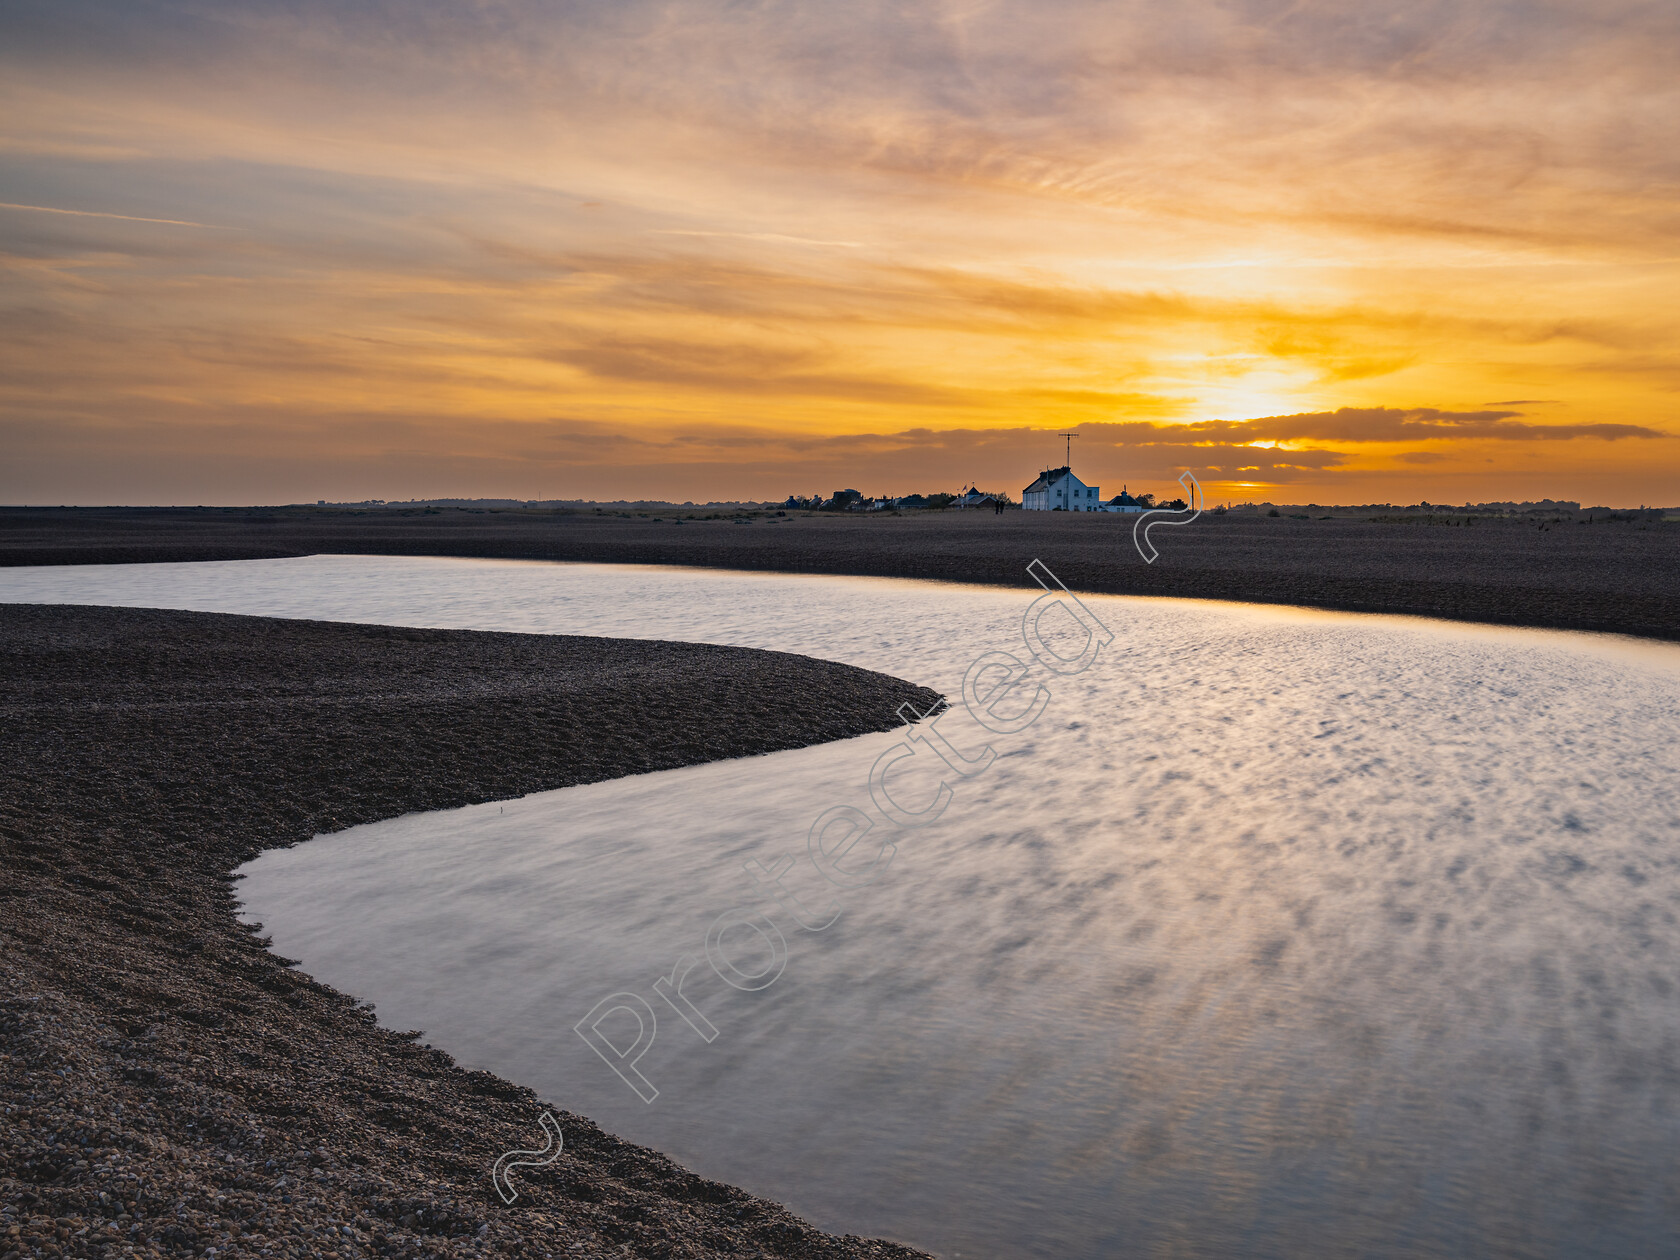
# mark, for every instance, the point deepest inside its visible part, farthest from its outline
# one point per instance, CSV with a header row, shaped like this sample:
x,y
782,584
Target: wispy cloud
x,y
106,214
774,237
1397,424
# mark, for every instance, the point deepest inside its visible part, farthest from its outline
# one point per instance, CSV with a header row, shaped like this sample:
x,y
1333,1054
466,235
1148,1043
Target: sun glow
x,y
693,253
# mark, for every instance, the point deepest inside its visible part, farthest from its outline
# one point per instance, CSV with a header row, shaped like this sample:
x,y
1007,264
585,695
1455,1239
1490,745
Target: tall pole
x,y
1069,436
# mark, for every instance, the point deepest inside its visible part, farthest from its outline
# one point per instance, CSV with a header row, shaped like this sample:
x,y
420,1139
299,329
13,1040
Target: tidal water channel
x,y
1279,933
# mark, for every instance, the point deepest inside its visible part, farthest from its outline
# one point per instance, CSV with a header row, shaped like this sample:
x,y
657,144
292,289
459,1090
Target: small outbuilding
x,y
1124,502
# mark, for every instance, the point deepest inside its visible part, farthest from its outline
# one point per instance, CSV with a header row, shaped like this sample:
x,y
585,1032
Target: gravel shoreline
x,y
1619,576
170,1087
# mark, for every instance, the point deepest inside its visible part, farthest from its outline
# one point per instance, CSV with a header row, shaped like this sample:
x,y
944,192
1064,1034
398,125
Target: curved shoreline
x,y
170,1086
1618,577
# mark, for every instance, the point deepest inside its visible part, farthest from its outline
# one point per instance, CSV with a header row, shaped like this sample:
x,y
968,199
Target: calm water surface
x,y
1280,934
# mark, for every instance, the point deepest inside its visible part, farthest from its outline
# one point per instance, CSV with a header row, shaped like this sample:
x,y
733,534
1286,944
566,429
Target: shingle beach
x,y
168,1086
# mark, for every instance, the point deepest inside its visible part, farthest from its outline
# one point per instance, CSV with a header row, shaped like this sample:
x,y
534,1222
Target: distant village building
x,y
973,498
1058,490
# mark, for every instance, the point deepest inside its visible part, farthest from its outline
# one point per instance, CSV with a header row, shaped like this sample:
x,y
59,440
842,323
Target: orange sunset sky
x,y
1333,252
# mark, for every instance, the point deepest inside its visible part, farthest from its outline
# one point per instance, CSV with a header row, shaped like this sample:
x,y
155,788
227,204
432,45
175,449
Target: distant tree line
x,y
855,501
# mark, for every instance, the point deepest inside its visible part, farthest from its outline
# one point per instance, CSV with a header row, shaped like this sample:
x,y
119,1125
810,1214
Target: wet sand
x,y
168,1085
1621,576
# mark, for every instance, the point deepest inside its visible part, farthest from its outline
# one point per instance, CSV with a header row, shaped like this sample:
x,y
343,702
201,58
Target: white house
x,y
1058,489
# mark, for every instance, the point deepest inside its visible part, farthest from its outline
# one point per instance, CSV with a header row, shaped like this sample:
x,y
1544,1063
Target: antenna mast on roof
x,y
1069,436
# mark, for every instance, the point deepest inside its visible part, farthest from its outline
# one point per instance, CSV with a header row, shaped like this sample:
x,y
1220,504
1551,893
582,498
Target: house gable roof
x,y
1048,478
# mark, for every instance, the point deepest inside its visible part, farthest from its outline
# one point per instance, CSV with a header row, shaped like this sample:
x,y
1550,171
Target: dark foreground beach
x,y
1588,571
168,1085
